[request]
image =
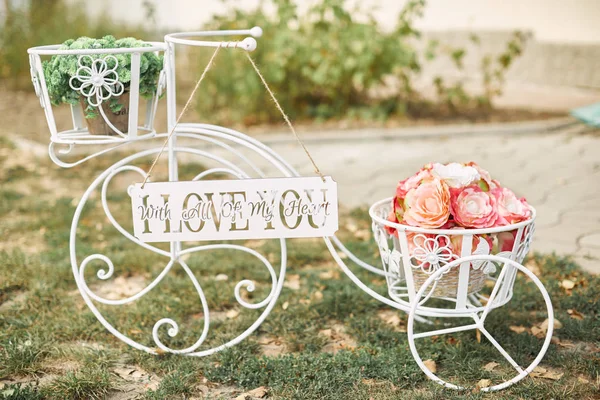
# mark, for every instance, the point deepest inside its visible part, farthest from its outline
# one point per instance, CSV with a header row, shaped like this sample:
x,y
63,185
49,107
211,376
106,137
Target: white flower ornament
x,y
98,82
430,255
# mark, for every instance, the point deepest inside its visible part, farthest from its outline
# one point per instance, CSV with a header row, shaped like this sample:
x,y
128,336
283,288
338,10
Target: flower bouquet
x,y
448,211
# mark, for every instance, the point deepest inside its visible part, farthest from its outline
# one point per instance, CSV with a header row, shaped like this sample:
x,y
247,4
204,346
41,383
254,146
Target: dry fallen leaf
x,y
338,339
563,343
541,372
581,379
430,365
260,392
362,234
331,274
351,227
575,314
392,318
567,284
538,332
490,366
285,305
533,266
272,346
483,383
233,313
221,277
318,295
136,374
517,329
292,282
544,325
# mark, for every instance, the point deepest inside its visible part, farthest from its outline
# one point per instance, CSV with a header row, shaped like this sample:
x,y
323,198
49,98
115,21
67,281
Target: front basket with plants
x,y
101,83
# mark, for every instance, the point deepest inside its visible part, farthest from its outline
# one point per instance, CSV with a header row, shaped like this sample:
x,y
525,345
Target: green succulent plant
x,y
60,68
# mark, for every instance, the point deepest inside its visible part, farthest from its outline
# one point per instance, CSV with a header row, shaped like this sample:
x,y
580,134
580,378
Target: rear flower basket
x,y
461,212
103,81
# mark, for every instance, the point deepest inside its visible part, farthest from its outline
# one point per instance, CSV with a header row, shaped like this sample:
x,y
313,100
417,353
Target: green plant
x,y
493,72
323,63
60,68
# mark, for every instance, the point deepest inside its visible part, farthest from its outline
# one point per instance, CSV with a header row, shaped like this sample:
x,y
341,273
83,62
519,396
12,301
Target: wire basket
x,y
411,254
98,82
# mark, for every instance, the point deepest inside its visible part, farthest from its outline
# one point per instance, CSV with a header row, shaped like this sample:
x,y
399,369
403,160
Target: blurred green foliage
x,y
327,62
323,63
29,23
332,62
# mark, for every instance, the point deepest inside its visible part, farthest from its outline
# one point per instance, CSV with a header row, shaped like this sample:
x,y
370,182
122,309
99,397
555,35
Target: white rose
x,y
455,175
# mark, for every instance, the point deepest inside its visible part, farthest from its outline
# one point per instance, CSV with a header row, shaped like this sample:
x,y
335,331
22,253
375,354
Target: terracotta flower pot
x,y
120,119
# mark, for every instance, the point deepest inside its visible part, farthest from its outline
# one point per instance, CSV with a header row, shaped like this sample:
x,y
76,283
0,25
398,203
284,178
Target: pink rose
x,y
506,240
427,206
392,218
411,183
473,208
510,209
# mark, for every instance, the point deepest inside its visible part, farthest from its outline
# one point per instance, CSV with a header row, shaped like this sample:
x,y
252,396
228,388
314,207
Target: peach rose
x,y
411,183
427,206
473,208
510,209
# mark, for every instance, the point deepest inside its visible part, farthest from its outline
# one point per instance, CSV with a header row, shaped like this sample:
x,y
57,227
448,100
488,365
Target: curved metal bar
x,y
248,44
208,137
53,50
60,163
113,221
275,158
174,328
264,314
480,321
282,164
249,285
110,124
269,302
104,276
216,171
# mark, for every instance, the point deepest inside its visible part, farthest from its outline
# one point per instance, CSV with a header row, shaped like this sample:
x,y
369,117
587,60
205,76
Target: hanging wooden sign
x,y
235,209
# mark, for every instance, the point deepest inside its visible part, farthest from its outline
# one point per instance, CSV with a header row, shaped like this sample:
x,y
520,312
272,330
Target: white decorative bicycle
x,y
424,279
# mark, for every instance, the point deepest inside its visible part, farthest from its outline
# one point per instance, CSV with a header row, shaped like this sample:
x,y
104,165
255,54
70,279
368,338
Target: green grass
x,y
52,346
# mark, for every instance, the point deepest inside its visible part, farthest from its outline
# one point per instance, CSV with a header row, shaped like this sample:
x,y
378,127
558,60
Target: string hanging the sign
x,y
267,88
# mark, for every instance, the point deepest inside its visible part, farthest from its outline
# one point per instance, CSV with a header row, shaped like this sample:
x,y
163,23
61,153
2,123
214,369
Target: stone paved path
x,y
558,173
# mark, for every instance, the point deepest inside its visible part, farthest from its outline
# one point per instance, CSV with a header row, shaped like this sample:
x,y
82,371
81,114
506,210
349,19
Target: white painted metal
x,y
480,320
174,258
97,84
397,270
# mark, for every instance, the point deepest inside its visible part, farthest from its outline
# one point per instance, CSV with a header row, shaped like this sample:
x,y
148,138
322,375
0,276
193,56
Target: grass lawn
x,y
325,338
